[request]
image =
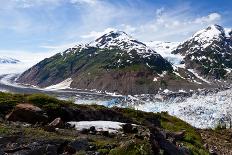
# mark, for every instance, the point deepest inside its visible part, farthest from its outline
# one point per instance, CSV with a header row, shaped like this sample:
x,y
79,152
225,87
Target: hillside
x,y
145,133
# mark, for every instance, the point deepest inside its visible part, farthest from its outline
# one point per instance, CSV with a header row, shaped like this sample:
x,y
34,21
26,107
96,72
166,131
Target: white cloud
x,y
211,18
12,4
94,34
160,11
60,47
91,2
174,25
128,28
27,60
26,56
93,18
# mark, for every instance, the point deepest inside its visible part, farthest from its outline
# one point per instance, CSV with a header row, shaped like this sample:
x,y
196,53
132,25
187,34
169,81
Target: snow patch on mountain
x,y
207,36
62,85
110,126
198,76
165,49
204,38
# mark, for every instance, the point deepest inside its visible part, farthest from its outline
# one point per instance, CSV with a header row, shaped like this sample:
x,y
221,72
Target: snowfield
x,y
110,126
165,49
62,85
201,111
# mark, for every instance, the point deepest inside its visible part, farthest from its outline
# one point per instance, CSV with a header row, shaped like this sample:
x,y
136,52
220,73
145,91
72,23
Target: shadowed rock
x,y
27,113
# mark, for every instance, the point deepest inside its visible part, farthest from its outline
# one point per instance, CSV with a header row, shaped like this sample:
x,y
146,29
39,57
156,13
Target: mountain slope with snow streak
x,y
115,62
165,49
208,52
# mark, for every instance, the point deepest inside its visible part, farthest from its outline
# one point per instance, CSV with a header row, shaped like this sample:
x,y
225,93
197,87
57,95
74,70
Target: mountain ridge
x,y
209,52
103,66
115,62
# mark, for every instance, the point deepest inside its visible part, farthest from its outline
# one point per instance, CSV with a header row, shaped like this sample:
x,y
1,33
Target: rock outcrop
x,y
27,113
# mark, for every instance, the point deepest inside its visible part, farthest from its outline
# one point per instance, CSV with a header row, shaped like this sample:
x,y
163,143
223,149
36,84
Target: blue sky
x,y
48,25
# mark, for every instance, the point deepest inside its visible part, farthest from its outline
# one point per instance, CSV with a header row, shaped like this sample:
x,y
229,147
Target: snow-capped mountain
x,y
115,62
8,60
121,40
209,52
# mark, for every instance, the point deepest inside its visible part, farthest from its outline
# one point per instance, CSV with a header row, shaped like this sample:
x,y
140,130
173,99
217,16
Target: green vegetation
x,y
46,101
192,138
93,63
133,147
31,133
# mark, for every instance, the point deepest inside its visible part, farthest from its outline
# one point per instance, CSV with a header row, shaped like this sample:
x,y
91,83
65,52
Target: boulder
x,y
155,146
40,150
176,135
2,152
84,131
57,123
79,144
105,133
27,113
127,128
159,136
92,130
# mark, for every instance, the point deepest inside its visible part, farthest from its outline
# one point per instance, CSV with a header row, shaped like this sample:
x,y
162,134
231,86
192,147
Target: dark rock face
x,y
176,135
127,128
80,144
35,148
27,113
160,140
92,115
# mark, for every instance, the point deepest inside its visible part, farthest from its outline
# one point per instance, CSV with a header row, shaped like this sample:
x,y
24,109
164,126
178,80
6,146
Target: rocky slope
x,y
209,53
140,132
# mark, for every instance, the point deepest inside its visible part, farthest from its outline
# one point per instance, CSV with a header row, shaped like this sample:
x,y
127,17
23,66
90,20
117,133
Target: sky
x,y
44,27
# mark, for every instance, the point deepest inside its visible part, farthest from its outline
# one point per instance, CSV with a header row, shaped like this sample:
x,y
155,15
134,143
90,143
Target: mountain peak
x,y
113,39
207,36
116,34
216,26
213,32
121,40
208,50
